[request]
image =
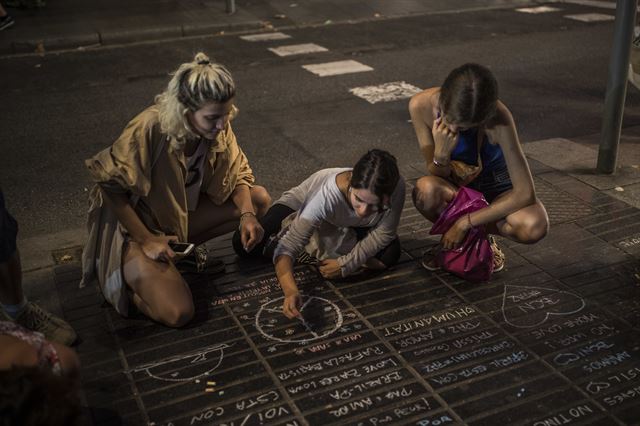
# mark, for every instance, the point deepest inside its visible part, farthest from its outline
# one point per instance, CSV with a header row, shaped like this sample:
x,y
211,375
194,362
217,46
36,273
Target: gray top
x,y
325,217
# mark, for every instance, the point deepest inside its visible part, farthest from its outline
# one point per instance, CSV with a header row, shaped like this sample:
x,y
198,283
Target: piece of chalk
x,y
211,383
210,390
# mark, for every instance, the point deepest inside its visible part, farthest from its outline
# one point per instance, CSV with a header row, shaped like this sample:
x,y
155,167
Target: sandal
x,y
498,255
199,262
429,261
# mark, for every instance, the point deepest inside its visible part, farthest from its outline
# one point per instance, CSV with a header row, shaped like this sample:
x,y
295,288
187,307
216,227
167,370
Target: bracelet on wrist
x,y
243,216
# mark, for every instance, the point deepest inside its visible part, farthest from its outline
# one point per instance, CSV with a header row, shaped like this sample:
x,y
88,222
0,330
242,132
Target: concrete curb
x,y
108,37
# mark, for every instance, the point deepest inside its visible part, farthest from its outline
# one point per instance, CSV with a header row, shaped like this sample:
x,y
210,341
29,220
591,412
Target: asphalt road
x,y
59,109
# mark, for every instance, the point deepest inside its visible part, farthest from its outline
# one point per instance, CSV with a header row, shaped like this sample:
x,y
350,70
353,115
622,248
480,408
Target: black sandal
x,y
199,262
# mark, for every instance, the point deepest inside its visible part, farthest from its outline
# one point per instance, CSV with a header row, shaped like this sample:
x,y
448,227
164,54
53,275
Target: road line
x,y
265,37
592,3
337,68
297,49
591,17
539,9
386,92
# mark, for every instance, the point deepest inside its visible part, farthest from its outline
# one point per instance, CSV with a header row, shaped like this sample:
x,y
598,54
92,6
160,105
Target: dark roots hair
x,y
469,94
376,171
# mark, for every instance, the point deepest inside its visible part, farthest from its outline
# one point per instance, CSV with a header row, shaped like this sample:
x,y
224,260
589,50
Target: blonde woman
x,y
176,173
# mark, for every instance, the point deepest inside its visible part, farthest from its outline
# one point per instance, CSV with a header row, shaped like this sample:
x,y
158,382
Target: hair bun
x,y
202,59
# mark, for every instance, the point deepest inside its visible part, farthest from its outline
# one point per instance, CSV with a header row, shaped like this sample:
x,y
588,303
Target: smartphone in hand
x,y
181,249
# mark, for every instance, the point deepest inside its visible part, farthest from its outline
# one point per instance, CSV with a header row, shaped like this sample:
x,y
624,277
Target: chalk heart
x,y
527,307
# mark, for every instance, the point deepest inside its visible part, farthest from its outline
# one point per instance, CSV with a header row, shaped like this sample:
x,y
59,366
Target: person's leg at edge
x,y
210,220
159,291
14,304
11,294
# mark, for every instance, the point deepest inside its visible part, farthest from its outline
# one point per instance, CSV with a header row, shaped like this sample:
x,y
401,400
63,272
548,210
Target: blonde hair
x,y
193,84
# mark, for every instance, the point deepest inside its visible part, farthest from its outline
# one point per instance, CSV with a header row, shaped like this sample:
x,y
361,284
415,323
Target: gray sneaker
x,y
55,329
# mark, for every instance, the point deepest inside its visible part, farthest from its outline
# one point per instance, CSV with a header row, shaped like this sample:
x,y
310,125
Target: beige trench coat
x,y
146,165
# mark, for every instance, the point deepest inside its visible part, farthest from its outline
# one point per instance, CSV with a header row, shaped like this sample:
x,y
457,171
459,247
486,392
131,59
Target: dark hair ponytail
x,y
469,94
377,171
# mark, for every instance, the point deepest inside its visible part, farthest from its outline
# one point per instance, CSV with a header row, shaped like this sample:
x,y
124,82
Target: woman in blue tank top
x,y
465,121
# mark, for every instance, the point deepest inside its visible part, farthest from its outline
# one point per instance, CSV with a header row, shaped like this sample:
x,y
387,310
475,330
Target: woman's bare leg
x,y
431,196
526,226
159,291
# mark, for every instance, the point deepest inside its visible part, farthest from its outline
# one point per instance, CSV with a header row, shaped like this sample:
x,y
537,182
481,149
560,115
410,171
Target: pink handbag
x,y
473,260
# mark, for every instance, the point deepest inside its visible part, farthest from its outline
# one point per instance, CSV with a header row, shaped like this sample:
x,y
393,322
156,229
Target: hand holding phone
x,y
181,249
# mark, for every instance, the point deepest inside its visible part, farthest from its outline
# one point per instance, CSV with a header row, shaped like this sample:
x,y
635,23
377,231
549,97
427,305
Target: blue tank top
x,y
467,151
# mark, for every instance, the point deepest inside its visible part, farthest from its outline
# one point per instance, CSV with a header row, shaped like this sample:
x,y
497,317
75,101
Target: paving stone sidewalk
x,y
552,339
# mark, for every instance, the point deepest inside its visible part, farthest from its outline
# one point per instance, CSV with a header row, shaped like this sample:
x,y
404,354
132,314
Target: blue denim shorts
x,y
492,183
8,232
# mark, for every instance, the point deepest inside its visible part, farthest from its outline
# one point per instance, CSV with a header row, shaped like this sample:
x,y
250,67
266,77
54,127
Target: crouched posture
x,y
346,218
175,173
463,121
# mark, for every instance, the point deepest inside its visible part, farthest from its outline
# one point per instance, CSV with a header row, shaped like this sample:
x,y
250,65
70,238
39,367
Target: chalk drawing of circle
x,y
312,329
185,367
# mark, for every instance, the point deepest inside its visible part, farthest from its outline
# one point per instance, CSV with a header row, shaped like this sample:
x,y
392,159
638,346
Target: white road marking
x,y
337,68
591,17
297,49
539,9
265,37
386,92
592,3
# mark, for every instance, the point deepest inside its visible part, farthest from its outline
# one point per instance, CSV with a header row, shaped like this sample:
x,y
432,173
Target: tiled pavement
x,y
553,339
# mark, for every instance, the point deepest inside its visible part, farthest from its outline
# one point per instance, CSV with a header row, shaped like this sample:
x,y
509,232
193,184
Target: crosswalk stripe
x,y
386,92
297,49
337,68
539,9
265,37
591,17
592,3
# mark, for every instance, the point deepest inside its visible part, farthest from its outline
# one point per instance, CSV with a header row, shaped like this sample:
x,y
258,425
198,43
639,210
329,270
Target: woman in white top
x,y
346,218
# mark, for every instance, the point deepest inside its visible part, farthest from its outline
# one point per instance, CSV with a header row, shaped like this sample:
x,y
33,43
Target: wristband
x,y
243,215
439,164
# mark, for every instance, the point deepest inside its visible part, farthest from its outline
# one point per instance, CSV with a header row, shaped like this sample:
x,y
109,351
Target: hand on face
x,y
444,138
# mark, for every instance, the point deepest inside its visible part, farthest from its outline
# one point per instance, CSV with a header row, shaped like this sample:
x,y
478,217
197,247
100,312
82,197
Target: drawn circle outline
x,y
338,324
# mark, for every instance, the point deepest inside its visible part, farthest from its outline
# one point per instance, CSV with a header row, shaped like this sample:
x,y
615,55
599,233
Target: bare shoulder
x,y
502,117
425,103
501,128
